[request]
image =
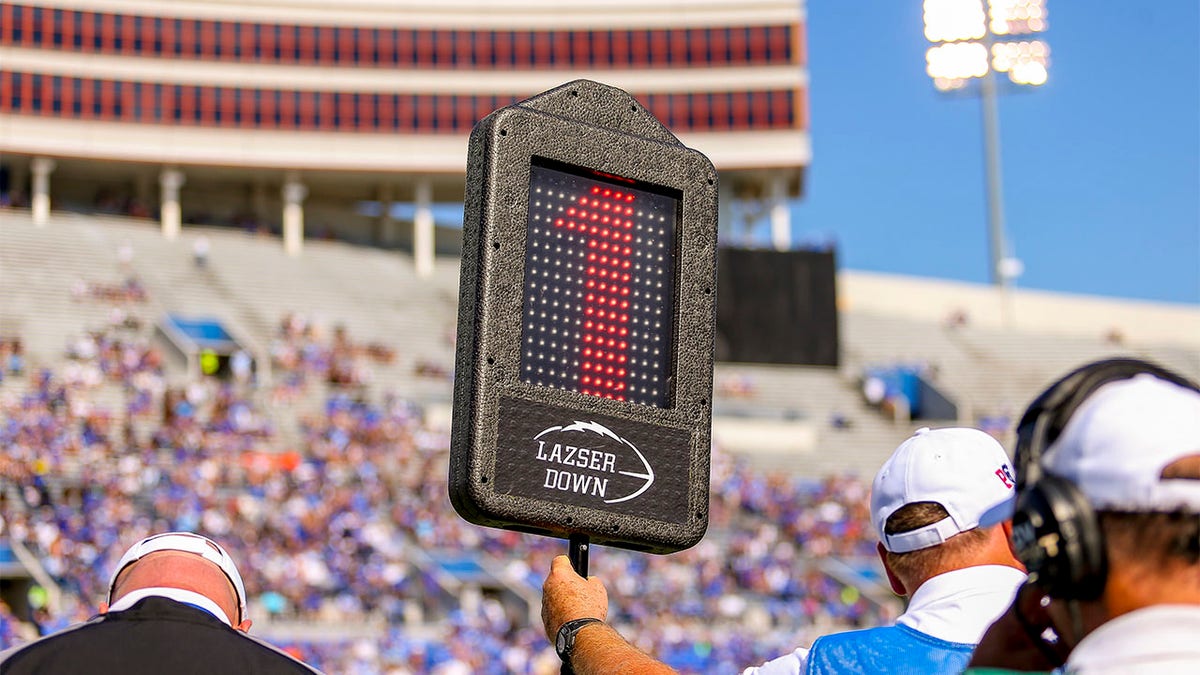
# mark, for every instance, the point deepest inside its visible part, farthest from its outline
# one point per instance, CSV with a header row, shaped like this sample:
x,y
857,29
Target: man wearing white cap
x,y
176,604
939,505
1108,522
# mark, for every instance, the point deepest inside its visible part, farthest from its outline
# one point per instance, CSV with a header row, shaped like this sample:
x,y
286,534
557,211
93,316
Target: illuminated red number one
x,y
604,216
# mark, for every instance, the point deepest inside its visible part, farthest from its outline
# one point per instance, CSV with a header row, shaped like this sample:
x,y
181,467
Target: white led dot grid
x,y
598,296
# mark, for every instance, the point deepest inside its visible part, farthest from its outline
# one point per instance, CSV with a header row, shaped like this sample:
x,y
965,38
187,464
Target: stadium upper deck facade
x,y
281,107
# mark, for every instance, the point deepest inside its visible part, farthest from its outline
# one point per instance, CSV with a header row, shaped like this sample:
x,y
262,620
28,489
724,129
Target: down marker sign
x,y
583,378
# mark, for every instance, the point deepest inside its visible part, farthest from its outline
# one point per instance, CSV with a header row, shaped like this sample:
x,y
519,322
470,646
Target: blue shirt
x,y
897,649
946,617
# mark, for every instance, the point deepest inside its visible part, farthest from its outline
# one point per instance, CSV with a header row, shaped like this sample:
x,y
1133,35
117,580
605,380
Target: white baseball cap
x,y
964,470
186,542
1117,443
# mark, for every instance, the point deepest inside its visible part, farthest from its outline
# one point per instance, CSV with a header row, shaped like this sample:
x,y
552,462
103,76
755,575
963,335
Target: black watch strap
x,y
564,642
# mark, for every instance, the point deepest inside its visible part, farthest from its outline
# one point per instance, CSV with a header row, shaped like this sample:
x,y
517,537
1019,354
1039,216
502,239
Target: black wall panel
x,y
777,307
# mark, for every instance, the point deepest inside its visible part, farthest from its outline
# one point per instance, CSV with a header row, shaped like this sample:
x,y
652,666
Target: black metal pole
x,y
578,553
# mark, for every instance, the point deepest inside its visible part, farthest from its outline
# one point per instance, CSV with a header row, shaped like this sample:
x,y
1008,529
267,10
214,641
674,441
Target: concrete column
x,y
423,228
170,213
294,194
40,199
385,224
781,215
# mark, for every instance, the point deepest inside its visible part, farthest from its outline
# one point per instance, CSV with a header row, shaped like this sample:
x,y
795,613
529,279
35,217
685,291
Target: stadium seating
x,y
334,494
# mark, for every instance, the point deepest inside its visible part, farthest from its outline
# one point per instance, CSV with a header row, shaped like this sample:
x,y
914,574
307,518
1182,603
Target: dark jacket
x,y
154,636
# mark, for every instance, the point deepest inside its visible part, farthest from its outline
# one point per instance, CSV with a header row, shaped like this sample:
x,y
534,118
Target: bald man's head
x,y
184,561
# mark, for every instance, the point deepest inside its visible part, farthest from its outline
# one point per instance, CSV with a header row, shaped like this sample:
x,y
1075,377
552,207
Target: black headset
x,y
1055,529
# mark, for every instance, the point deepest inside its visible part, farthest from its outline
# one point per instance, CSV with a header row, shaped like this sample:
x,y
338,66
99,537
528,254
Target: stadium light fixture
x,y
968,44
953,20
972,44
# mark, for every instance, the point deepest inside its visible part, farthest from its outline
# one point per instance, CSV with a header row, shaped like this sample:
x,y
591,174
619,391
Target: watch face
x,y
561,642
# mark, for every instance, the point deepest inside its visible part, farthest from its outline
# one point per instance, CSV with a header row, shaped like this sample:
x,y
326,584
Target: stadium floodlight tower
x,y
971,47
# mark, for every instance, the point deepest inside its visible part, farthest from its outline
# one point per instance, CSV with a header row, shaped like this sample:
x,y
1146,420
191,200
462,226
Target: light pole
x,y
969,45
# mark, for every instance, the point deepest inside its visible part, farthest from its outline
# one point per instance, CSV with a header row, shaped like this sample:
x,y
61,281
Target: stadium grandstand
x,y
228,287
226,113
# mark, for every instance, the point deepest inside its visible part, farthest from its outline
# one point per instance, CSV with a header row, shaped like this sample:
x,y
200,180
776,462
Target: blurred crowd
x,y
338,522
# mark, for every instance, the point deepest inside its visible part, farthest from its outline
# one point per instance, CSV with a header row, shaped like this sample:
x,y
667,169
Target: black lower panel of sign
x,y
609,464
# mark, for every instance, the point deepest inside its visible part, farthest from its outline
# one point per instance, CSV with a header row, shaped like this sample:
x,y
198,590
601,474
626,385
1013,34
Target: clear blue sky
x,y
1101,166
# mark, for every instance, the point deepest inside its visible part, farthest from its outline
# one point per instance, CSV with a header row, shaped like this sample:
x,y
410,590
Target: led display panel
x,y
599,287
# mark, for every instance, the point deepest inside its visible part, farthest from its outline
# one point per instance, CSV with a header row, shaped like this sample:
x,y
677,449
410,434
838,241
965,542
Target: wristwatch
x,y
564,642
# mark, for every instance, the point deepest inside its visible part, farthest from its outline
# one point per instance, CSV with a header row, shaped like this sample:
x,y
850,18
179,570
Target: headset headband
x,y
1047,416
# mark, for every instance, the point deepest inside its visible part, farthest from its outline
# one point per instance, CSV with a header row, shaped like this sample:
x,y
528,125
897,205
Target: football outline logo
x,y
600,429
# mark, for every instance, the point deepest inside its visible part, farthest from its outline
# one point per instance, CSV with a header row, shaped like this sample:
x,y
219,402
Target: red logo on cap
x,y
1005,476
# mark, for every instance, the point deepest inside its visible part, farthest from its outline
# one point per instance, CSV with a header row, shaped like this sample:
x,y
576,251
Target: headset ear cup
x,y
1058,539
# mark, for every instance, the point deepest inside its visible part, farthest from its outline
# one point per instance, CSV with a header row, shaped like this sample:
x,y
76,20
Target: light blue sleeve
x,y
788,664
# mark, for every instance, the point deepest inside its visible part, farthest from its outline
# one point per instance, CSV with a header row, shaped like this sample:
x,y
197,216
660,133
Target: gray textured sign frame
x,y
598,128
